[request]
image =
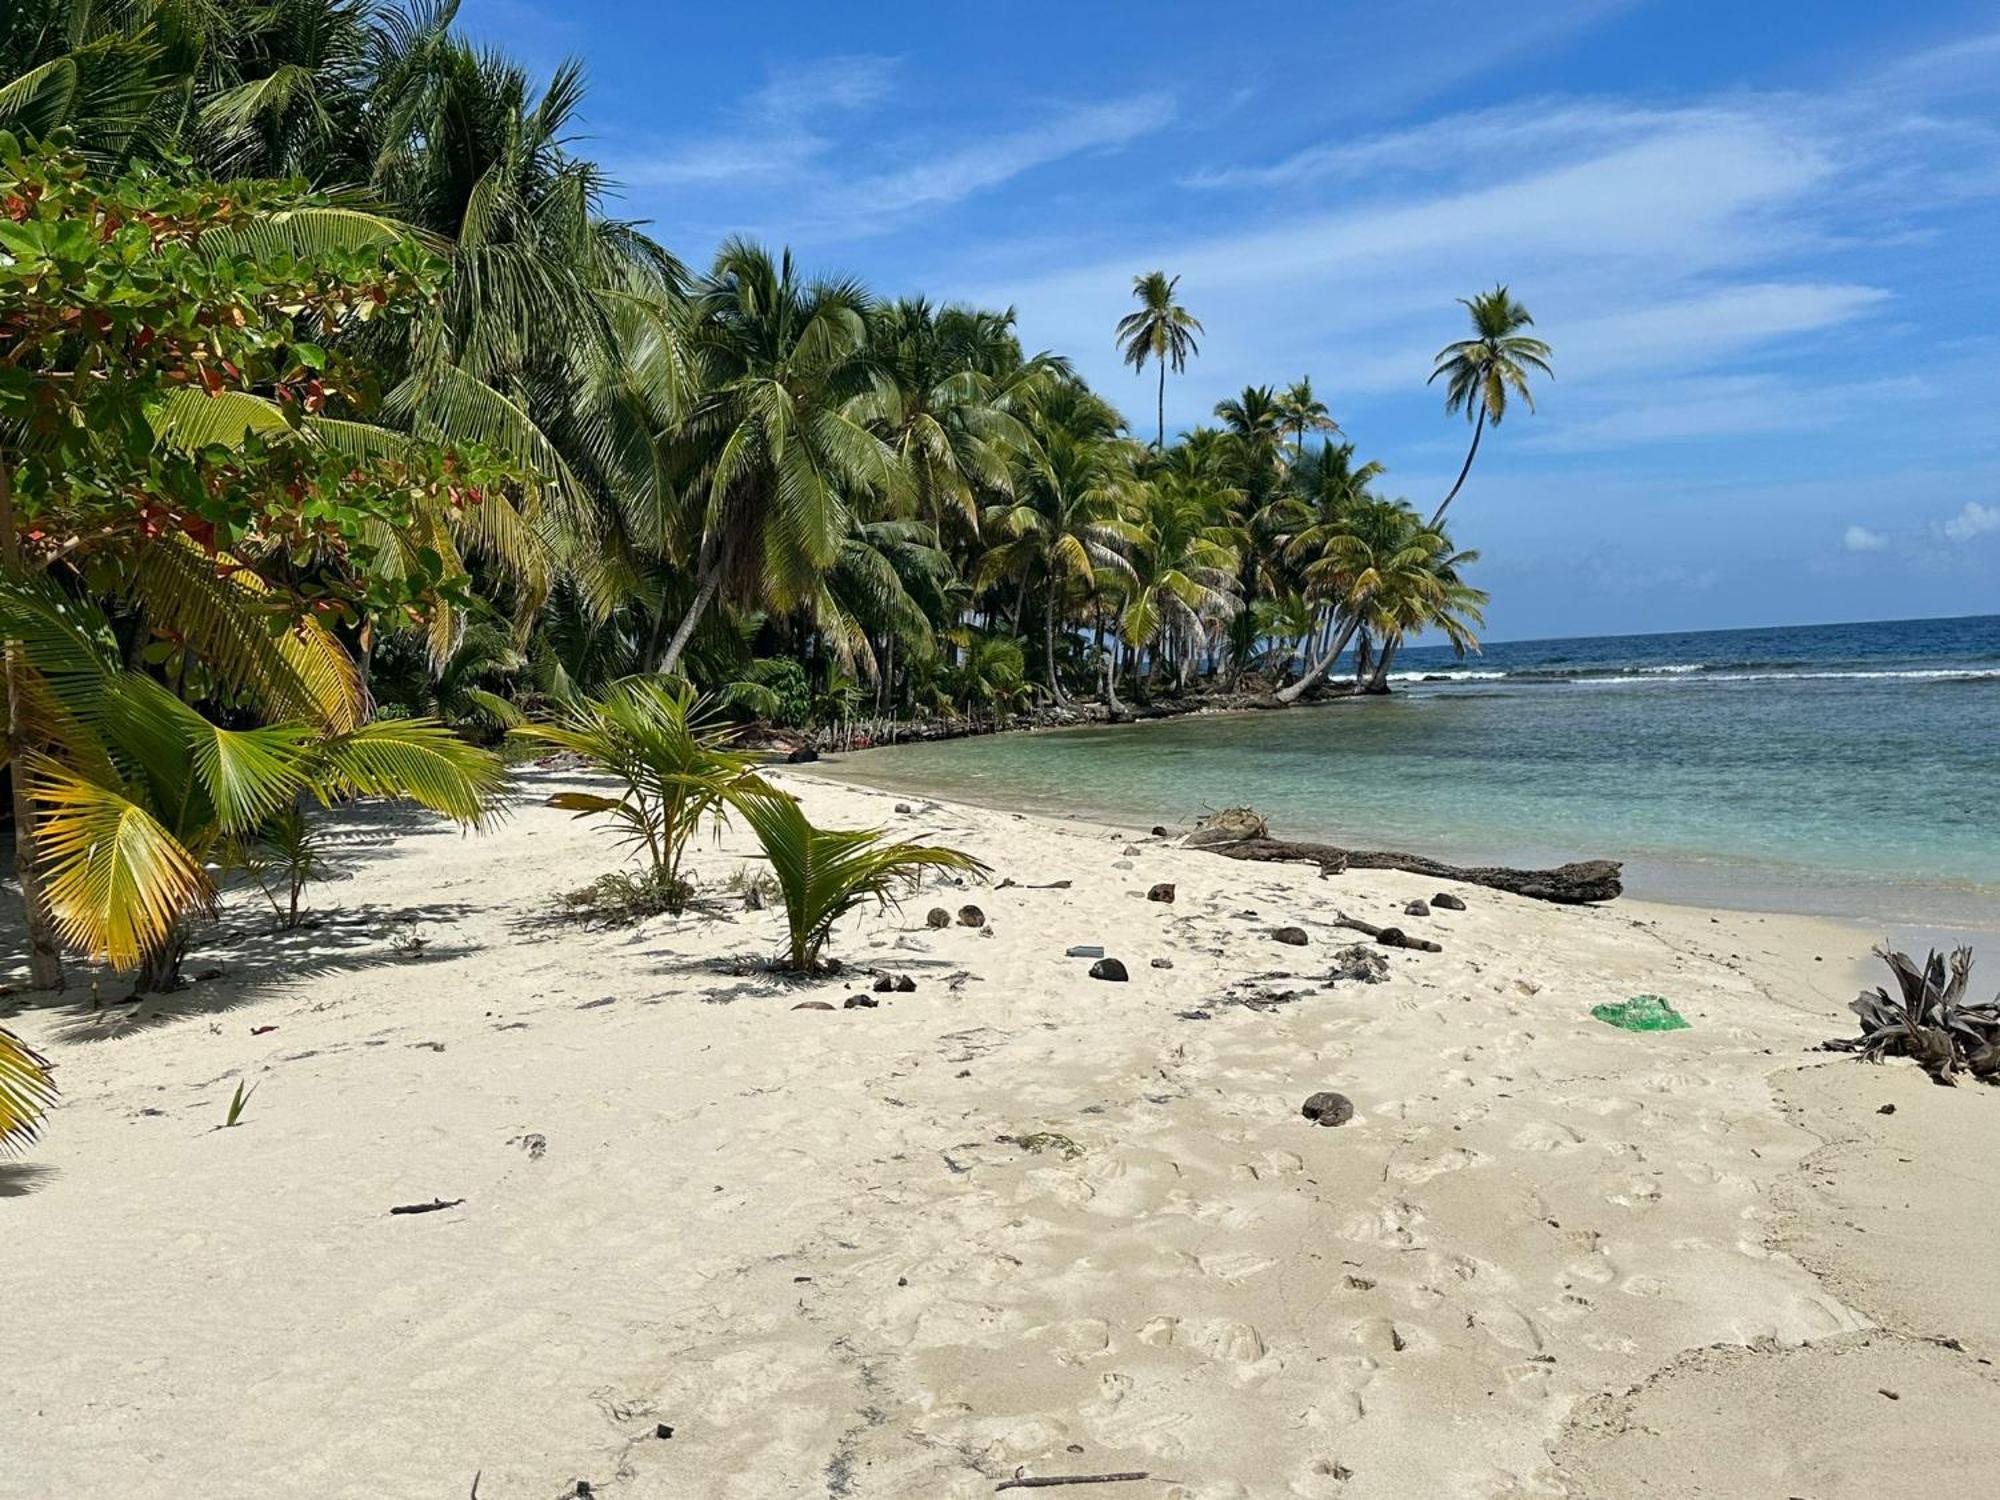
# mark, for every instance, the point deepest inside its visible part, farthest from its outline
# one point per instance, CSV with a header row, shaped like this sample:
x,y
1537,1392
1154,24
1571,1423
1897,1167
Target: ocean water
x,y
1851,770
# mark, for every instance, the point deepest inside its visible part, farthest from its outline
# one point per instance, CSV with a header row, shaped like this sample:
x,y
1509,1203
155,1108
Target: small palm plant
x,y
26,1090
287,854
824,873
660,739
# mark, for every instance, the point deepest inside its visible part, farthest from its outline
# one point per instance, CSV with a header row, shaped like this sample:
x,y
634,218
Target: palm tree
x,y
1480,371
1300,412
1162,331
1433,596
1062,524
1182,565
777,443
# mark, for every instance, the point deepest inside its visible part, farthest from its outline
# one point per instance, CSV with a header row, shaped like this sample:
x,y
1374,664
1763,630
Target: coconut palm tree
x,y
1481,370
777,444
1062,525
1182,565
1162,331
1300,412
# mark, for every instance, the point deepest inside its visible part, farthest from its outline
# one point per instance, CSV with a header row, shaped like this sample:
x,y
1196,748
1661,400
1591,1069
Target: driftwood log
x,y
1241,833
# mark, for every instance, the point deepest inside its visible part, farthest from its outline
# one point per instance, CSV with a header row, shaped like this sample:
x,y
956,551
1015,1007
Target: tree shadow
x,y
240,963
20,1178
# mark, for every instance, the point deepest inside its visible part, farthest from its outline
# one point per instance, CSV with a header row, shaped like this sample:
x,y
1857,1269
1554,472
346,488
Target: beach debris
x,y
1446,901
904,807
971,916
884,984
1043,1140
1359,963
1933,1023
813,1005
1050,1481
262,1030
1640,1013
937,917
1164,891
1132,849
1241,833
1887,1109
1085,950
426,1208
1388,937
1108,968
1163,963
804,755
664,1430
1417,909
1294,936
1328,1108
905,985
1010,883
1161,831
534,1143
860,1002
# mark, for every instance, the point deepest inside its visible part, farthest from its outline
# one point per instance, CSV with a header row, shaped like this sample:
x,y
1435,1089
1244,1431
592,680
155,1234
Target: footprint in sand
x,y
1546,1135
1457,1159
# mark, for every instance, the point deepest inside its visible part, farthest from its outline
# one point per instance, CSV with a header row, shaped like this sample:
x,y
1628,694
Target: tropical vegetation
x,y
345,430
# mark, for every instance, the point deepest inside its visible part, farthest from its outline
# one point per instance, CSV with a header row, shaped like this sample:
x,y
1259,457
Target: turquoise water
x,y
1850,770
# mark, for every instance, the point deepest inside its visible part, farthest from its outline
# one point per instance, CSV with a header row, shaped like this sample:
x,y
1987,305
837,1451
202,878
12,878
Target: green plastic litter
x,y
1641,1013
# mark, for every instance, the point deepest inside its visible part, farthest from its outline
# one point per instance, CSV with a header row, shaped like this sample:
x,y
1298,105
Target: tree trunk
x,y
1161,445
1379,683
1363,653
711,577
1320,666
1049,647
45,970
1478,426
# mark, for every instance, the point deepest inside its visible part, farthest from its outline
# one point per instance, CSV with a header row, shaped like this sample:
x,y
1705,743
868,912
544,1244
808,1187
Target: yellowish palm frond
x,y
118,883
27,1088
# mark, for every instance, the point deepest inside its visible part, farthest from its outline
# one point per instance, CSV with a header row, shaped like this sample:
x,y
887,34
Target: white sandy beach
x,y
1545,1258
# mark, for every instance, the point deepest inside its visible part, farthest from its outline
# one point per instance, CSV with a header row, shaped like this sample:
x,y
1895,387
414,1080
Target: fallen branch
x,y
1388,937
1241,833
426,1208
1018,1483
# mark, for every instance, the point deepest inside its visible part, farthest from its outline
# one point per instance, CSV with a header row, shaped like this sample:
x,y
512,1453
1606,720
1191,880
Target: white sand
x,y
1546,1257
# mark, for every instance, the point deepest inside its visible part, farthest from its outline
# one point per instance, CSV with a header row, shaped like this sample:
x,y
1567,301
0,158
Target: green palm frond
x,y
823,873
415,760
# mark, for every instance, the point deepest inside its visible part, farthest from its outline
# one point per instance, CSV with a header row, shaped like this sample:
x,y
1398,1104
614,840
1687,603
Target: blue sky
x,y
1761,237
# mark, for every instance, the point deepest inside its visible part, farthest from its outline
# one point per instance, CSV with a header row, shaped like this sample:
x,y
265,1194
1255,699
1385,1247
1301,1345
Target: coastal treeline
x,y
344,428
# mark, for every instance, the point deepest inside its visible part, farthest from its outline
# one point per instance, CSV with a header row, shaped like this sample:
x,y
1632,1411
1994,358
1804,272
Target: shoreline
x,y
1017,1218
1747,892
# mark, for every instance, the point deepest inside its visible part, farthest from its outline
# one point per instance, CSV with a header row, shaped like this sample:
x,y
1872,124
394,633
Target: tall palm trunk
x,y
44,953
1478,427
1320,665
704,595
1161,444
1049,650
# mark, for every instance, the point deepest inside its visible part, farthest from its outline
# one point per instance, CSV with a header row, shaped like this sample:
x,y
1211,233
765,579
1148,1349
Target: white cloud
x,y
1861,539
995,158
1974,520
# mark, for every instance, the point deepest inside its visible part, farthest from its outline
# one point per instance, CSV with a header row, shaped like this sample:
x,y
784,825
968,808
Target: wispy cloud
x,y
991,160
771,137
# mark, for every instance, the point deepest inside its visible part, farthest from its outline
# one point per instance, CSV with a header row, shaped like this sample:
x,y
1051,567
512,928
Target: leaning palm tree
x,y
1481,370
1162,331
777,446
824,873
1300,412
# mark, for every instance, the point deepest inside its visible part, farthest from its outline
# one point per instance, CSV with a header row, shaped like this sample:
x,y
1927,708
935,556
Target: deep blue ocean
x,y
1846,769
